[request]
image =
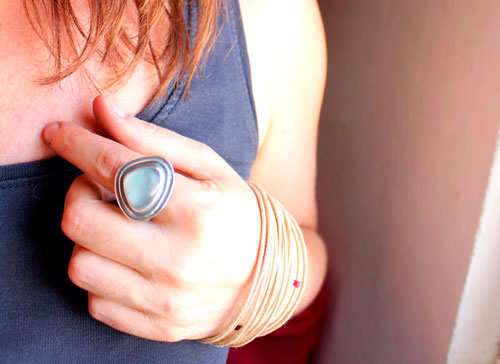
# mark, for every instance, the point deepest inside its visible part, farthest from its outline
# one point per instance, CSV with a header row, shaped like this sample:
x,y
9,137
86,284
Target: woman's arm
x,y
286,45
182,274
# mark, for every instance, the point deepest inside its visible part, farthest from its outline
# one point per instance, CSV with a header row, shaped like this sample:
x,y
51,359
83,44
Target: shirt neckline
x,y
53,165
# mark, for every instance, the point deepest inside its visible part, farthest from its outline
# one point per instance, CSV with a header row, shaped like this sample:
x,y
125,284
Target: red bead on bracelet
x,y
297,284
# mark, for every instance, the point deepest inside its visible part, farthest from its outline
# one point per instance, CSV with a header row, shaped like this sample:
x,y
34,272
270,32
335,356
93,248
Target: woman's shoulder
x,y
287,52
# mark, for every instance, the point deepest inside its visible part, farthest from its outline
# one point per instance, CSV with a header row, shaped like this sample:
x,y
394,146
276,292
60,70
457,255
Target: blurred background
x,y
407,135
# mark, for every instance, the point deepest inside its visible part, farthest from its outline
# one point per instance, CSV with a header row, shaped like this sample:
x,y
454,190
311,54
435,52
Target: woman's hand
x,y
185,273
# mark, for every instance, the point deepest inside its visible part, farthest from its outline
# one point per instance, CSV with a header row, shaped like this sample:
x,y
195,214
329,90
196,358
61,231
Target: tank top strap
x,y
219,109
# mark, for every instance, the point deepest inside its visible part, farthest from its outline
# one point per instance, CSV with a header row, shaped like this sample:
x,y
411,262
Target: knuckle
x,y
168,334
155,265
191,216
149,129
198,216
174,336
78,271
72,223
197,234
168,305
95,308
107,164
209,160
208,186
135,297
176,315
173,307
203,149
201,206
185,275
207,156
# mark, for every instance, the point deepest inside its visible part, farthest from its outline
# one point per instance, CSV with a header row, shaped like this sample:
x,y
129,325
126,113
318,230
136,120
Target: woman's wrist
x,y
278,281
317,267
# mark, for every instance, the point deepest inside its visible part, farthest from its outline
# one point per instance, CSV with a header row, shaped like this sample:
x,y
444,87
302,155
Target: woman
x,y
158,286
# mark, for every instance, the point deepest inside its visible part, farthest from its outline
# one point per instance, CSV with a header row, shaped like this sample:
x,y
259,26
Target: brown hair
x,y
119,45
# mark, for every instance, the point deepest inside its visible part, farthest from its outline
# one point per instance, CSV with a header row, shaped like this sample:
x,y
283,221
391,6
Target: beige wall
x,y
407,136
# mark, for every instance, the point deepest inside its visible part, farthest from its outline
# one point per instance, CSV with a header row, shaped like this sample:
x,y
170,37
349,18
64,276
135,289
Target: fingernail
x,y
118,110
49,131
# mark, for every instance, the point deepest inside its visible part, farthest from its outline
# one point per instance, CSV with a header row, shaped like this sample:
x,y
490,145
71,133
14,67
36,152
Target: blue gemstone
x,y
141,186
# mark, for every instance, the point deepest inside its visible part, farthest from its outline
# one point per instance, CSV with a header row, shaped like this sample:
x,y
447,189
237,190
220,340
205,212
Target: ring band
x,y
143,187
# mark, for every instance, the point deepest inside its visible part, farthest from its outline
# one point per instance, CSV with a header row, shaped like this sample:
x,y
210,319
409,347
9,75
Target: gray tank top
x,y
43,316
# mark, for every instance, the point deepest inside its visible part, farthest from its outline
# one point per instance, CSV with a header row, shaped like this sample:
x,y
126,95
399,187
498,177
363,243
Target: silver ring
x,y
143,187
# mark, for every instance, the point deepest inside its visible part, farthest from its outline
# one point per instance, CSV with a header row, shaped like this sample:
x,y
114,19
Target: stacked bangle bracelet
x,y
278,280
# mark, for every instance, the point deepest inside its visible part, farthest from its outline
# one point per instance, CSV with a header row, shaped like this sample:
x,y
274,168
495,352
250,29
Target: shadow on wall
x,y
406,142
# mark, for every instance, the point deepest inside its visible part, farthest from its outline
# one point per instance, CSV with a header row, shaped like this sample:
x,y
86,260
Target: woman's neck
x,y
26,106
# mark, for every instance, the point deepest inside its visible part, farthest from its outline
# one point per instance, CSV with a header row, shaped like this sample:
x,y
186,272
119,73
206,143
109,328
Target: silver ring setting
x,y
143,187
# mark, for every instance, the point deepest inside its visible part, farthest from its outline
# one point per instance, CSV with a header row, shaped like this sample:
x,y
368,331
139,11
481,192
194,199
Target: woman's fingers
x,y
189,156
100,158
209,217
102,228
95,155
107,278
130,320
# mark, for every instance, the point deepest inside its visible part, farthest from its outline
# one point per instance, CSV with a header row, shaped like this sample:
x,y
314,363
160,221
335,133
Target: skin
x,y
288,63
158,279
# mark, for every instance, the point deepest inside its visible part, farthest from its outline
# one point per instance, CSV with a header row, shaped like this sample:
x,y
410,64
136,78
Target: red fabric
x,y
291,344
